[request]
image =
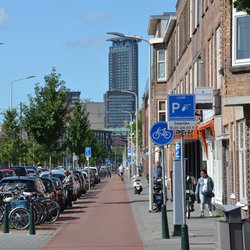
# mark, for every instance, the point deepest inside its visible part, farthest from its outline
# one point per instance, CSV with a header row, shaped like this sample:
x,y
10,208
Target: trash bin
x,y
230,230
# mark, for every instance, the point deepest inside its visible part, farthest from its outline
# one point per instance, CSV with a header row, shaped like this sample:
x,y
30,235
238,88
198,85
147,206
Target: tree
x,y
11,144
78,130
242,5
46,114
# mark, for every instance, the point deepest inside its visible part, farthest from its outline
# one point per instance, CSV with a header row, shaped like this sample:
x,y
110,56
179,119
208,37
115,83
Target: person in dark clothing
x,y
68,185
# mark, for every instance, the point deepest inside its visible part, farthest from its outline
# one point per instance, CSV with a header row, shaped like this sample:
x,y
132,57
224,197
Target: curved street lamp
x,y
16,80
150,175
136,130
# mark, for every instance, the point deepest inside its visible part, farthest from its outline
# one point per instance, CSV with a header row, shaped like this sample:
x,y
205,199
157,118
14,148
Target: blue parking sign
x,y
181,107
88,152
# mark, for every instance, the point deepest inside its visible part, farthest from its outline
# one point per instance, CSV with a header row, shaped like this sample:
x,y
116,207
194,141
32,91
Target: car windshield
x,y
25,185
48,185
7,174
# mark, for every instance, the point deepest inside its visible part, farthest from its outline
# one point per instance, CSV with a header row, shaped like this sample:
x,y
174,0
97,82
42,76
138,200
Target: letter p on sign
x,y
175,106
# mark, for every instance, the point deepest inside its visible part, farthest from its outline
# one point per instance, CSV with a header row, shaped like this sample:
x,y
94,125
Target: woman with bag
x,y
204,189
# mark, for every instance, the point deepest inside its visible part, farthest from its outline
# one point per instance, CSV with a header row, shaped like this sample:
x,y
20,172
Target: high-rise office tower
x,y
123,76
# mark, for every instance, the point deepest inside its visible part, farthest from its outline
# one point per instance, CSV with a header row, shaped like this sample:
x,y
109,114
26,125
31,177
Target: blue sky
x,y
69,35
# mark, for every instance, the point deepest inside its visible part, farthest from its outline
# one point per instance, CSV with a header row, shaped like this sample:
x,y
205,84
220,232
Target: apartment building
x,y
205,47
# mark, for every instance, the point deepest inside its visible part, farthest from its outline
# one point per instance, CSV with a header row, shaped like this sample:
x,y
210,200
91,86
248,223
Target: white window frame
x,y
186,83
191,83
162,110
196,74
242,161
161,62
190,18
218,58
196,13
210,62
235,61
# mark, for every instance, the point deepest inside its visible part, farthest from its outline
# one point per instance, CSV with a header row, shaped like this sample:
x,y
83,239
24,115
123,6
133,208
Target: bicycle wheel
x,y
53,212
19,218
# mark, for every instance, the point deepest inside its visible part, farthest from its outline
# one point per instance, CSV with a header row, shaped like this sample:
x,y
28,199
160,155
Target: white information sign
x,y
181,125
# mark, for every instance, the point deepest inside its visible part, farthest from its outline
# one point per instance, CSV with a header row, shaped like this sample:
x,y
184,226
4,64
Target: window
x,y
191,84
210,62
161,65
162,110
186,84
196,13
190,18
218,57
242,161
241,38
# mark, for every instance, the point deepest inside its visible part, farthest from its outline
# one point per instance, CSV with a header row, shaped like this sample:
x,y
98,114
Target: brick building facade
x,y
206,45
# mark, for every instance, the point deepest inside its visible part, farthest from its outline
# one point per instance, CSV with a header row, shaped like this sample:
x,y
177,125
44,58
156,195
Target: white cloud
x,y
94,16
3,16
83,42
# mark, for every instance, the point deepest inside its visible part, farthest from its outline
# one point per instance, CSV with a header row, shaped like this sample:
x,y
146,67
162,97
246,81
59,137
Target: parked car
x,y
28,184
61,193
49,186
31,172
7,172
19,170
82,181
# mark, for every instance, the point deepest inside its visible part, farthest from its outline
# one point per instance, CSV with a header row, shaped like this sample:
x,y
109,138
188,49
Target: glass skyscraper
x,y
123,75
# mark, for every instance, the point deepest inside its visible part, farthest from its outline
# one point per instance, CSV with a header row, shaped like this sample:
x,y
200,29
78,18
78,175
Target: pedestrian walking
x,y
204,189
191,187
121,171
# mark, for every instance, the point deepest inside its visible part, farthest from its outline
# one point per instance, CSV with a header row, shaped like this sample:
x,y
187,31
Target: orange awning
x,y
209,125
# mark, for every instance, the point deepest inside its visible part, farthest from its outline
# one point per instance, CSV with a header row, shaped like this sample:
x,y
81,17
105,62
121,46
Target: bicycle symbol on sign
x,y
161,132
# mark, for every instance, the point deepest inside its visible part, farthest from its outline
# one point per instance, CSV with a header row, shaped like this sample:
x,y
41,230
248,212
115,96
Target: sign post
x,y
87,155
160,135
181,116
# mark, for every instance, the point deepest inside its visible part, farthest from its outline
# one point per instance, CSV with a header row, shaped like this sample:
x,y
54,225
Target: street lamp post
x,y
136,130
124,111
150,175
11,83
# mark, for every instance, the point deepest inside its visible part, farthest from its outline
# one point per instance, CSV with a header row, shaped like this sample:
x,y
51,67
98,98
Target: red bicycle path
x,y
102,219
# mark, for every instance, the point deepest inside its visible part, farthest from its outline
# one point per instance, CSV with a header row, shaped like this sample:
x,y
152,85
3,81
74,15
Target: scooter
x,y
157,195
137,187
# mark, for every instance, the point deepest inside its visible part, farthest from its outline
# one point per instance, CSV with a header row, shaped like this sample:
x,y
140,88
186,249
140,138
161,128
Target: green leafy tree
x,y
242,5
11,143
78,131
46,114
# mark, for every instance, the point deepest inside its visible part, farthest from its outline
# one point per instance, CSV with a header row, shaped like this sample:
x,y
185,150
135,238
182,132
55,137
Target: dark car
x,y
7,172
61,193
82,181
28,184
19,170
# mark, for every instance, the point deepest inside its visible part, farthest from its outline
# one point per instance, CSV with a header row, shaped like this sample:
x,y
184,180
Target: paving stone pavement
x,y
202,231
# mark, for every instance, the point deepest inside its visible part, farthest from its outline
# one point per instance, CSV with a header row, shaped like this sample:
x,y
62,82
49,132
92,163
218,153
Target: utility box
x,y
230,230
246,234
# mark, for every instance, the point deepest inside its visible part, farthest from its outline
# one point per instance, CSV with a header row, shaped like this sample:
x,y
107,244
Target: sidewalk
x,y
201,230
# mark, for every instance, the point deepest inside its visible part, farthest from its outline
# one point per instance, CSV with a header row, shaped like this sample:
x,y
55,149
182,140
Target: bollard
x,y
184,237
164,222
6,228
32,229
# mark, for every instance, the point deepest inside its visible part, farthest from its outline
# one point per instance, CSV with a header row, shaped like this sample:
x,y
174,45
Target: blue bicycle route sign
x,y
160,134
181,107
88,152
